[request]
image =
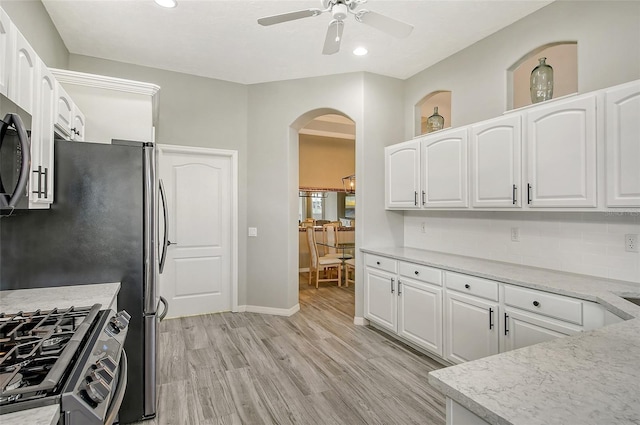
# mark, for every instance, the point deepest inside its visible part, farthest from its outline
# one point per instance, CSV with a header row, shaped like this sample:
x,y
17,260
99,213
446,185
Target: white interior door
x,y
198,276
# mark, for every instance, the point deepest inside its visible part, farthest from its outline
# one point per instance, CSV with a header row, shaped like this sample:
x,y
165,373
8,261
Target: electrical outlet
x,y
253,232
515,234
631,242
423,227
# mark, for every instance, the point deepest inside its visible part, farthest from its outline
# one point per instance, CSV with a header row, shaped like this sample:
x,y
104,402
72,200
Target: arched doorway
x,y
326,172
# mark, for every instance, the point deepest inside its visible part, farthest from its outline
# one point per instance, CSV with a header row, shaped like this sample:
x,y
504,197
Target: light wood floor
x,y
315,367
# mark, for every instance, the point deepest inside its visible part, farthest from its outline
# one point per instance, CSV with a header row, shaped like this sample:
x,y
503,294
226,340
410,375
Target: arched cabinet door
x,y
561,166
402,175
622,110
445,169
496,155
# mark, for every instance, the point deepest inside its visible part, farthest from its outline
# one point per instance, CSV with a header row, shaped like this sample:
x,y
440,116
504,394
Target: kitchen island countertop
x,y
589,378
13,301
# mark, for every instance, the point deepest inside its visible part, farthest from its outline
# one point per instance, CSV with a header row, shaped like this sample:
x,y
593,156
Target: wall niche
x,y
424,109
562,56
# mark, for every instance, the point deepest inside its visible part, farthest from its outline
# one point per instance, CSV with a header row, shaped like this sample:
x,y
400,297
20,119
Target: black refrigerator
x,y
100,228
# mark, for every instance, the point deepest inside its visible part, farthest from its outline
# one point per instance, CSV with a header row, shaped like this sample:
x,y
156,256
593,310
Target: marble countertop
x,y
13,301
607,292
589,378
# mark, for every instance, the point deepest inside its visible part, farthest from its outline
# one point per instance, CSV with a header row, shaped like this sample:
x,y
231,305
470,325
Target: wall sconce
x,y
349,183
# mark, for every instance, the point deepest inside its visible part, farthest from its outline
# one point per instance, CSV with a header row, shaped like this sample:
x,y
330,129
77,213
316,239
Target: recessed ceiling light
x,y
360,51
167,3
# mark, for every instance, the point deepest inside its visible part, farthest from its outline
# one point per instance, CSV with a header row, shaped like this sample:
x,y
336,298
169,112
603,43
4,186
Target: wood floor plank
x,y
315,367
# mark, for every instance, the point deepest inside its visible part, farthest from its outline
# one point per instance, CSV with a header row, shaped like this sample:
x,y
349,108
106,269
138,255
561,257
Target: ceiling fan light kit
x,y
340,10
167,3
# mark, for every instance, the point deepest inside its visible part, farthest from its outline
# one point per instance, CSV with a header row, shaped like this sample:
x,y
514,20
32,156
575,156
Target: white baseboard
x,y
360,321
269,310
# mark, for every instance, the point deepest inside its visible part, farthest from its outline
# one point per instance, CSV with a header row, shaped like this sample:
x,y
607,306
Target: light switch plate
x,y
253,232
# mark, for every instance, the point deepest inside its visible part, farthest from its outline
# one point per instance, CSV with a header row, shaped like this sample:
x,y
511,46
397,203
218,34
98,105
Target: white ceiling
x,y
221,39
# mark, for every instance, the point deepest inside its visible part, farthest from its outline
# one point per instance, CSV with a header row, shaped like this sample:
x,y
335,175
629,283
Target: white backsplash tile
x,y
585,243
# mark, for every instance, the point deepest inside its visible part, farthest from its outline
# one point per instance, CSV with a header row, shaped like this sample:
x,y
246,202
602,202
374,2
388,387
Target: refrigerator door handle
x,y
164,301
165,240
11,199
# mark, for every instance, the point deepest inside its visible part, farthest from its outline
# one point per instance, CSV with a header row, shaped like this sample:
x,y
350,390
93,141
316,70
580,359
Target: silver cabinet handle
x,y
392,281
399,287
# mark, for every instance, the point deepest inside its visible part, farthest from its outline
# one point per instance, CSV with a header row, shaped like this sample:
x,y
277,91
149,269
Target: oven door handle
x,y
11,199
118,396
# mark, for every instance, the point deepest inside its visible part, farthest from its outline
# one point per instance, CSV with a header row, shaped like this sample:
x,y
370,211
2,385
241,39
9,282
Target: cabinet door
x,y
402,175
41,185
5,49
622,122
470,327
523,329
22,89
64,112
495,163
420,314
78,125
561,140
380,304
444,172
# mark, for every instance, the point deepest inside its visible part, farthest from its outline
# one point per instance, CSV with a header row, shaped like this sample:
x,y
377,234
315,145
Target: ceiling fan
x,y
339,10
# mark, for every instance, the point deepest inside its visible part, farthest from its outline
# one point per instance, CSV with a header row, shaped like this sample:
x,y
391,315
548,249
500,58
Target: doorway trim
x,y
233,155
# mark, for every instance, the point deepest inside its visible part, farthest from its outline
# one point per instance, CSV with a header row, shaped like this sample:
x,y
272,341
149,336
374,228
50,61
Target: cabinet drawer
x,y
548,304
382,263
472,285
421,273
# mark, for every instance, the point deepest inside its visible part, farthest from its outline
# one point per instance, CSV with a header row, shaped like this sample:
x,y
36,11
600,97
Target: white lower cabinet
x,y
457,414
522,329
420,314
409,307
380,299
471,330
460,317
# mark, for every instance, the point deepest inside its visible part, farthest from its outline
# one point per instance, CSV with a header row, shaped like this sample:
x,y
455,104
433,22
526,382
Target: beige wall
x,y
324,161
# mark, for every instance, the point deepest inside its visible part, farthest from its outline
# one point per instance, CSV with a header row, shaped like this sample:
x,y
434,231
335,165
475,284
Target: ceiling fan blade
x,y
333,38
385,24
290,16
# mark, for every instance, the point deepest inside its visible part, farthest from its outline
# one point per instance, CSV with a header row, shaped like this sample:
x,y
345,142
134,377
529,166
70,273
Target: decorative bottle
x,y
435,122
541,82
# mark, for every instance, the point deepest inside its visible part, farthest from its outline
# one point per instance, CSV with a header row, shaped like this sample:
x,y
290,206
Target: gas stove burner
x,y
9,381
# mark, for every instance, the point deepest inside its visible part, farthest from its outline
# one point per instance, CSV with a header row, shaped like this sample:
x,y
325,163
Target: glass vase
x,y
435,122
541,82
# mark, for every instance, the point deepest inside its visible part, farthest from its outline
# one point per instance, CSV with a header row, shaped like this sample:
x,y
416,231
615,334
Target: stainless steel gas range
x,y
71,357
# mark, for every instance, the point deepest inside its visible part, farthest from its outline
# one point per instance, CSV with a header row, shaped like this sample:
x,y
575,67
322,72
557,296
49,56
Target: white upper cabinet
x,y
402,172
64,112
5,56
22,88
622,123
496,155
445,169
78,125
561,166
41,185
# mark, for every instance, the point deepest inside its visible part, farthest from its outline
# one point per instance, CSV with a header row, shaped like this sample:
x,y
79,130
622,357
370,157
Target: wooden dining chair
x,y
324,264
330,237
350,271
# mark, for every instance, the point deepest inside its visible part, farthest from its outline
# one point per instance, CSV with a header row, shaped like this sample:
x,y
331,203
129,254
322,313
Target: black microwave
x,y
15,156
